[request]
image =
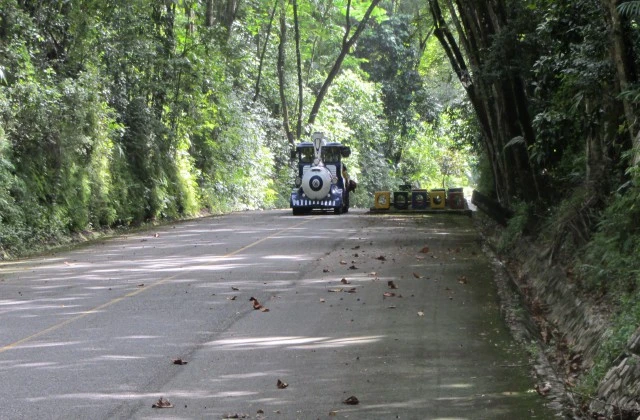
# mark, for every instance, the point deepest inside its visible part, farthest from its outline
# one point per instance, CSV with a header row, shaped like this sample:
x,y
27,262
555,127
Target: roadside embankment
x,y
571,327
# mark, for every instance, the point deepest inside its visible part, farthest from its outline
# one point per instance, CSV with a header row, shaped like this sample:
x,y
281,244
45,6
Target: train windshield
x,y
306,155
331,154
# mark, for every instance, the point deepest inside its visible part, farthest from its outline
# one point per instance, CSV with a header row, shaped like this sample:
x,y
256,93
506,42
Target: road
x,y
95,332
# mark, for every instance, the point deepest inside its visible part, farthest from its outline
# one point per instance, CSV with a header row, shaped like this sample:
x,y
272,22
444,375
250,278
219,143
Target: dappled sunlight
x,y
457,386
287,257
40,345
18,365
252,375
130,396
294,342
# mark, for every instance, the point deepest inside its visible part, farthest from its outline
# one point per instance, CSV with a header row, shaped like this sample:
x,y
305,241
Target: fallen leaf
x,y
333,413
352,290
391,307
416,275
345,281
343,262
335,290
162,403
256,304
424,250
391,284
381,258
141,285
179,362
263,309
234,288
326,270
157,235
356,247
260,412
322,301
281,385
388,294
420,313
462,280
419,257
353,267
236,416
351,401
232,298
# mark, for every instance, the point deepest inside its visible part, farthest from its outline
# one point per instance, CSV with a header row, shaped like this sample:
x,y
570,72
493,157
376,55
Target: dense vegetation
x,y
115,113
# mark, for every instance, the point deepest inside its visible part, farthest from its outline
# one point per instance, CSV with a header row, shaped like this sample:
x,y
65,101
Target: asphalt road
x,y
93,333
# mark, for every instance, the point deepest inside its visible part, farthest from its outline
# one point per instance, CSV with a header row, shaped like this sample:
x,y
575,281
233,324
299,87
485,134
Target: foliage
x,y
123,113
609,262
516,227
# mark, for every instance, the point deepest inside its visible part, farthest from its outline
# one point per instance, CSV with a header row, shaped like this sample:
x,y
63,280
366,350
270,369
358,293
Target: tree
x,y
499,97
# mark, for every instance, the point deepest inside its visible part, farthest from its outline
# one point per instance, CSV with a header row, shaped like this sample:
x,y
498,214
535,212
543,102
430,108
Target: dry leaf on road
x,y
256,304
416,275
388,294
162,403
179,362
420,313
424,250
345,281
352,400
281,385
391,284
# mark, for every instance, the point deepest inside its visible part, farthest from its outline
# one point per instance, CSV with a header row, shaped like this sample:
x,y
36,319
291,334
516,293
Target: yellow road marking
x,y
138,291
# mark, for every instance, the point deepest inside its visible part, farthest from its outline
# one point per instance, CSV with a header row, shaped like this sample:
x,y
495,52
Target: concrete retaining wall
x,y
573,326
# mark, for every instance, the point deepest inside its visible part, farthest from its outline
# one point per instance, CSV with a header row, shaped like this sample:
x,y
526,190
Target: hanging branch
x,y
264,50
347,43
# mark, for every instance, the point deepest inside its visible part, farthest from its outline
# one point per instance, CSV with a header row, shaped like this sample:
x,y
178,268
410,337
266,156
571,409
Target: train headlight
x,y
298,181
334,180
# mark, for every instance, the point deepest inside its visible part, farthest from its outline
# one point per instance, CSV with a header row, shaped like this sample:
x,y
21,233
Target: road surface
x,y
399,312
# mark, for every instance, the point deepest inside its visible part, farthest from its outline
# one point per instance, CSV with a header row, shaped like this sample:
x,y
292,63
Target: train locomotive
x,y
322,181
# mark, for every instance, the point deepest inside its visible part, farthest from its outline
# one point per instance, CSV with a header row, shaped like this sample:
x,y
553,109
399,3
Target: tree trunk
x,y
298,68
624,72
281,75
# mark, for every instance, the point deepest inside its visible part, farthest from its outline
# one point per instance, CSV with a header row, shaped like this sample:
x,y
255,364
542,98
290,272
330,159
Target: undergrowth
x,y
610,269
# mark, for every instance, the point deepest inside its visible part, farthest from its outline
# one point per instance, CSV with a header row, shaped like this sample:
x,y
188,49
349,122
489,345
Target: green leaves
x,y
629,8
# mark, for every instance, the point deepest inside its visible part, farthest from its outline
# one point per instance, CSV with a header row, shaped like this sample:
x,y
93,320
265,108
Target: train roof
x,y
305,144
